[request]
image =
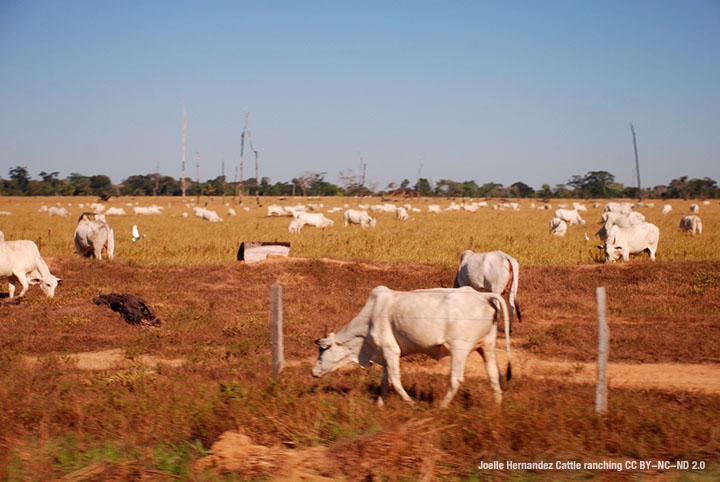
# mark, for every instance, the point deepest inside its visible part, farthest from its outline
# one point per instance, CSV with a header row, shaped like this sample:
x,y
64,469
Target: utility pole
x,y
157,179
242,153
197,166
183,186
223,178
637,163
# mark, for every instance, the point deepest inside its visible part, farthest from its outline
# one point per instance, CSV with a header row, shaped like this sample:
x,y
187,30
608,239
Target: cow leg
x,y
393,370
20,276
457,371
11,288
491,364
384,386
652,252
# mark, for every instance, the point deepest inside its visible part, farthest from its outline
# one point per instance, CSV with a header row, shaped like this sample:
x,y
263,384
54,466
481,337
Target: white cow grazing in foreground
x,y
437,322
691,223
623,241
20,258
558,227
610,219
666,209
495,271
91,237
622,208
569,216
313,219
359,217
401,214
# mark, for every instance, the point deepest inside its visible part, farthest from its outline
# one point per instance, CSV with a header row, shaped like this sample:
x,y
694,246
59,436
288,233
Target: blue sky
x,y
493,91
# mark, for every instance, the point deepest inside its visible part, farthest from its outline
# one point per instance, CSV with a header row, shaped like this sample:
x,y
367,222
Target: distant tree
x,y
405,183
544,192
19,175
491,189
446,187
100,185
520,189
423,187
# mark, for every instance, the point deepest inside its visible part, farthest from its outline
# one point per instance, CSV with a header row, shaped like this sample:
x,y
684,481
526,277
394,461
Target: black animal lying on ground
x,y
134,309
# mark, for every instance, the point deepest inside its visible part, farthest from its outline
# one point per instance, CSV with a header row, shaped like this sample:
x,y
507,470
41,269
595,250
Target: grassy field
x,y
85,396
426,238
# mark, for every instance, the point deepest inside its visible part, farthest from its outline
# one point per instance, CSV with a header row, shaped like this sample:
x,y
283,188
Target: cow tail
x,y
501,306
514,286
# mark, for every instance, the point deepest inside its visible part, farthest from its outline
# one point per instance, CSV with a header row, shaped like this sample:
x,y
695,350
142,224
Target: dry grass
x,y
425,238
134,422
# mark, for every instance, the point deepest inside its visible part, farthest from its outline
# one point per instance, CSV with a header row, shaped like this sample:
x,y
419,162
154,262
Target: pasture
x,y
87,396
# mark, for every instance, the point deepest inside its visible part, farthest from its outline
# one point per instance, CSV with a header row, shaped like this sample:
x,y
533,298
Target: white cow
x,y
147,210
43,209
558,227
495,271
275,210
97,207
570,216
453,207
579,207
691,224
53,211
622,208
433,208
694,208
469,207
314,219
359,217
231,212
610,219
92,236
624,241
401,214
115,212
438,322
295,226
20,258
666,209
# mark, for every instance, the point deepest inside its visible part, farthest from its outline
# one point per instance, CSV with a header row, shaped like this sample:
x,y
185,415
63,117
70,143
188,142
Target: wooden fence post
x,y
276,332
603,348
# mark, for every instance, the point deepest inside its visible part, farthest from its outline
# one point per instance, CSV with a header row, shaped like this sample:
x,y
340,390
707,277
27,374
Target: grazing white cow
x,y
295,226
558,227
207,214
570,216
92,236
359,217
401,214
147,210
43,209
433,208
666,209
20,258
622,208
471,208
53,211
610,219
438,322
453,207
495,271
231,212
694,208
624,241
275,210
579,207
97,207
314,219
115,212
691,224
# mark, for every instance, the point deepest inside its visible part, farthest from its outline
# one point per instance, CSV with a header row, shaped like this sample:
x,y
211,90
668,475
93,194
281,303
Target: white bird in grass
x,y
136,234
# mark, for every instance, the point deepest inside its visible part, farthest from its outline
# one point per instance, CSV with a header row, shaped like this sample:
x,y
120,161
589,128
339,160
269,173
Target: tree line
x,y
594,184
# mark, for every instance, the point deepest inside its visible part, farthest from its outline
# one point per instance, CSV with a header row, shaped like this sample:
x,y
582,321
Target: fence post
x,y
603,349
276,333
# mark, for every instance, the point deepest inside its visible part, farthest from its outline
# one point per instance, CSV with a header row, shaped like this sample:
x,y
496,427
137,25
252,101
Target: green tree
x,y
424,187
19,175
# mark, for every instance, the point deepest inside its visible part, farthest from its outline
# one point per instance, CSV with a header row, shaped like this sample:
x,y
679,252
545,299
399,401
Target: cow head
x,y
48,285
331,355
612,250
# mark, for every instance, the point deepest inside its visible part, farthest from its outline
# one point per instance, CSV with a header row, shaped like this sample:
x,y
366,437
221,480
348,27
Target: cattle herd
x,y
438,322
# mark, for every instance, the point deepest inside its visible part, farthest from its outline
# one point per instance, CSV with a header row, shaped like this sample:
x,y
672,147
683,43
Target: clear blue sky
x,y
500,91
